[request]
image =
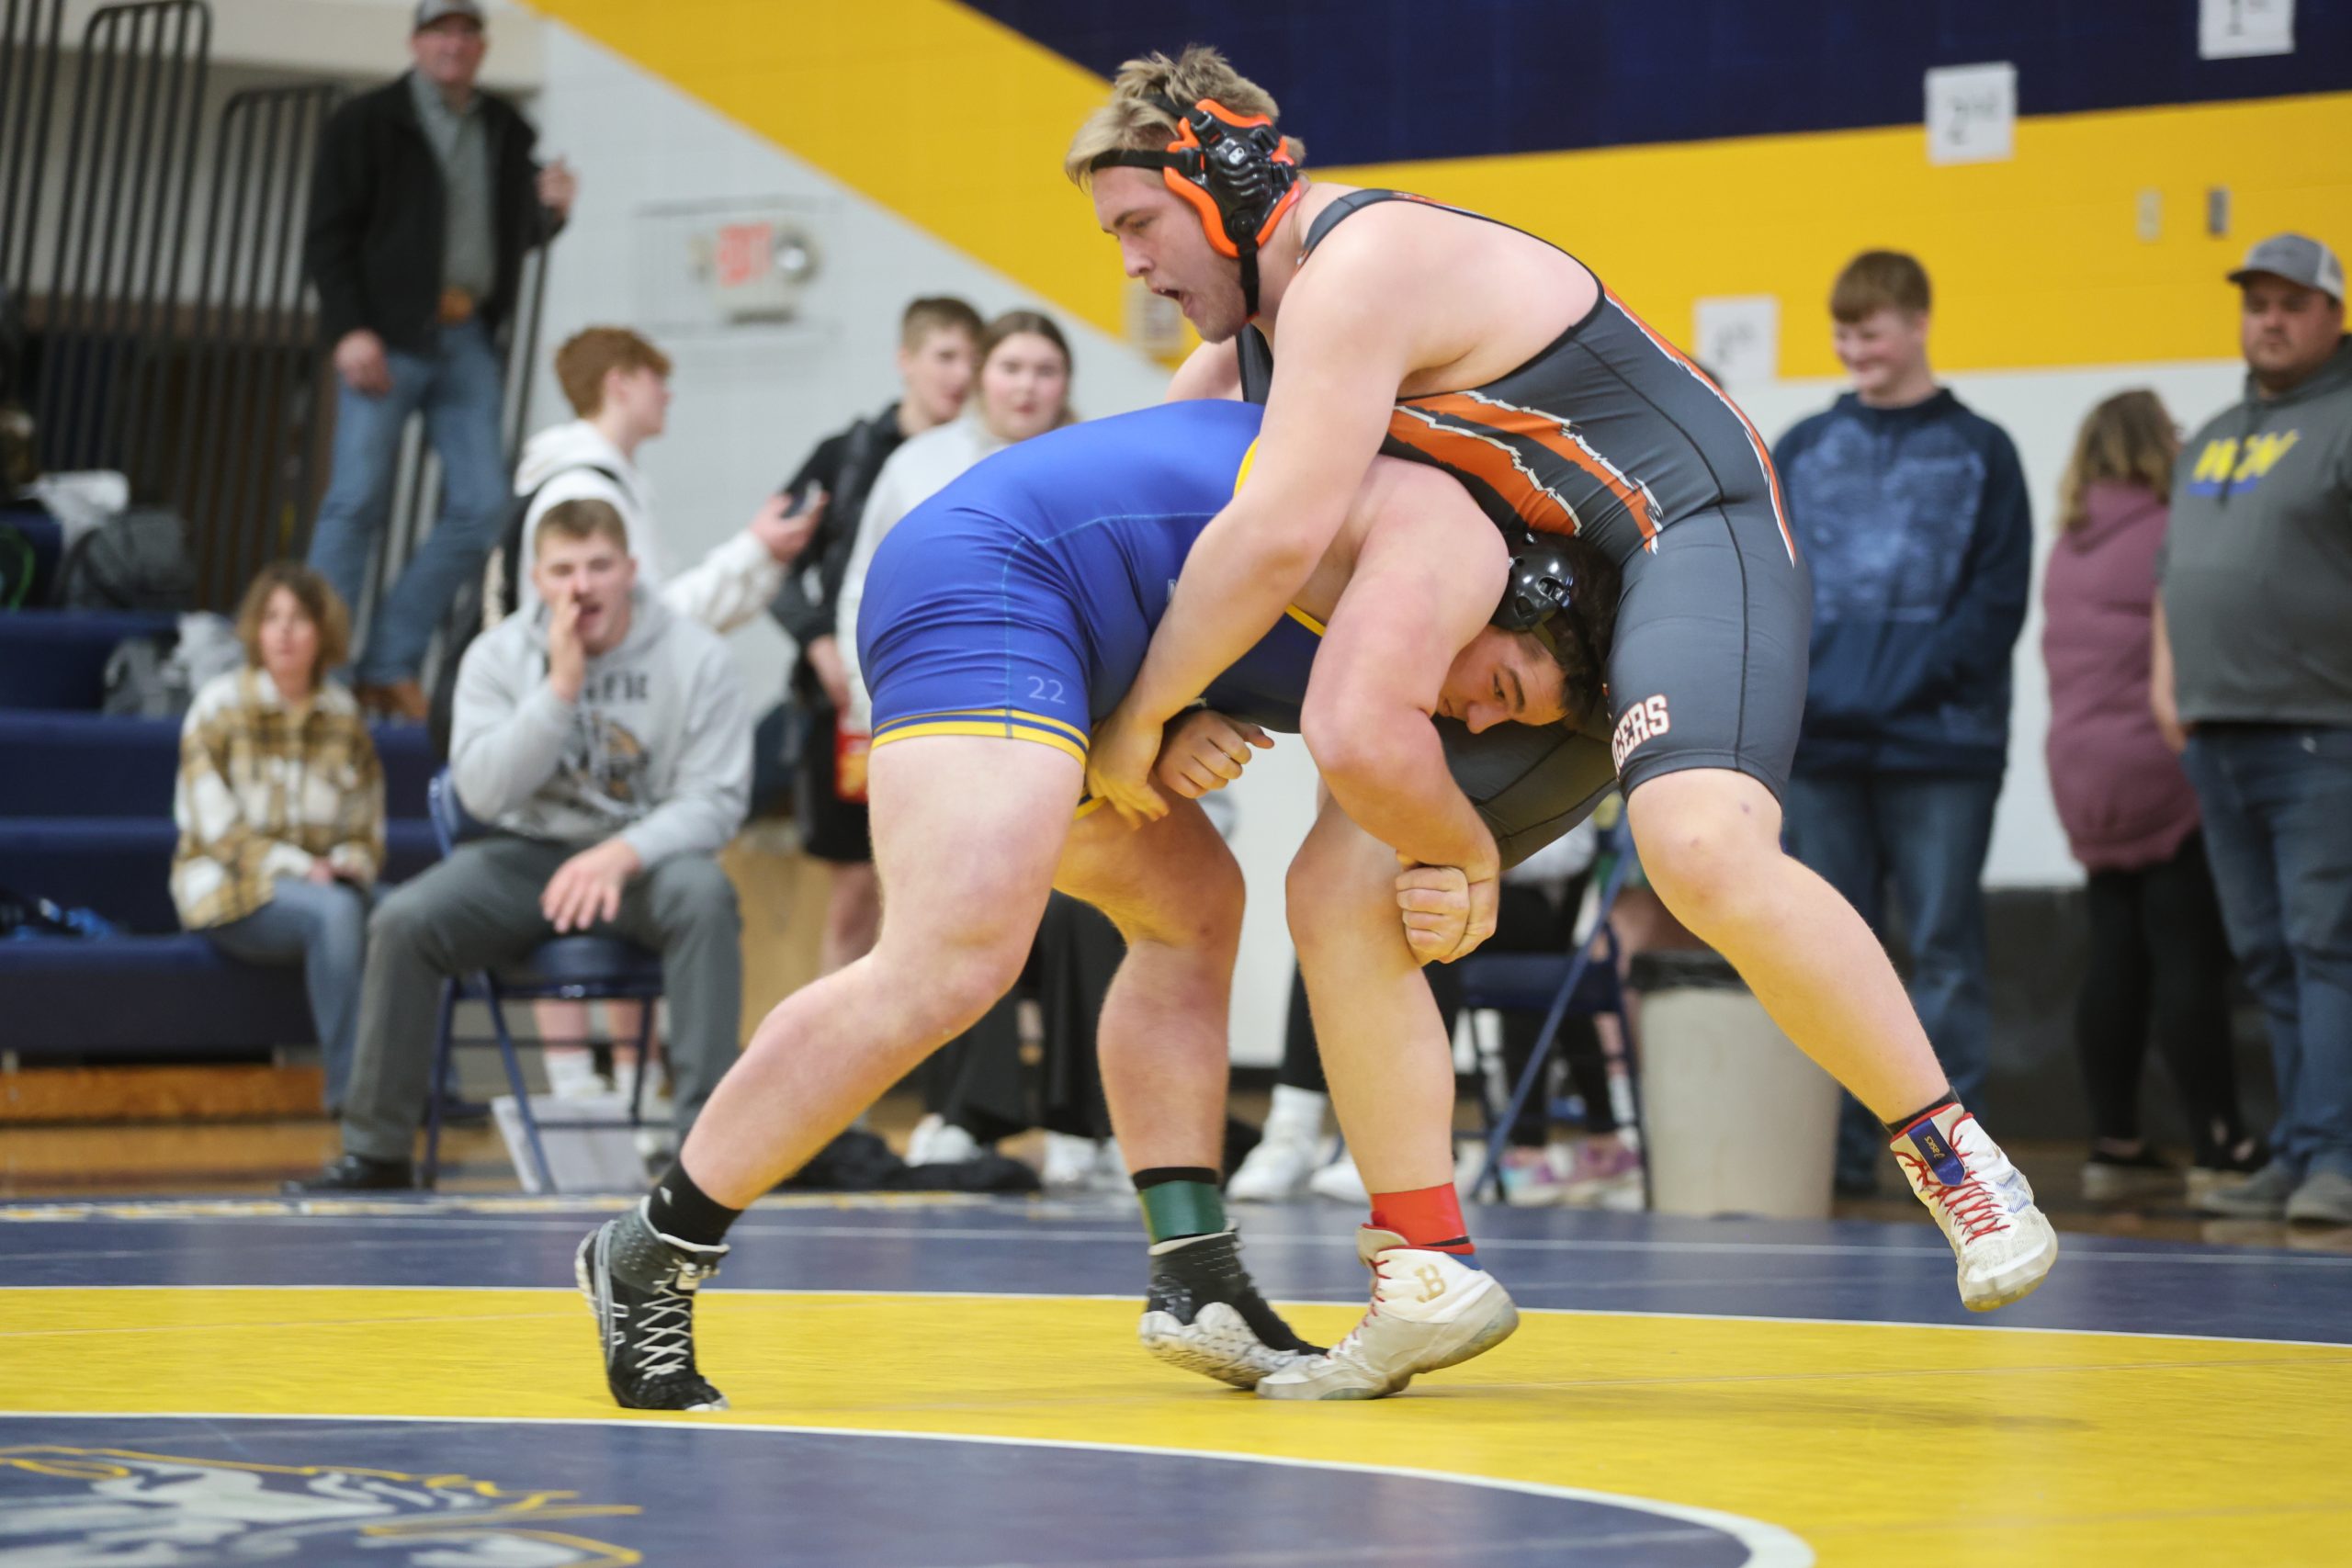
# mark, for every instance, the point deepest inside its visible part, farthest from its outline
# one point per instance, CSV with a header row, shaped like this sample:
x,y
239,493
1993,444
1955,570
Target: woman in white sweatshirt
x,y
1023,392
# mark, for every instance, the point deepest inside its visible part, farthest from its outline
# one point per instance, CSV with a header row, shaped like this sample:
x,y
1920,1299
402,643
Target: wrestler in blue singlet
x,y
1020,598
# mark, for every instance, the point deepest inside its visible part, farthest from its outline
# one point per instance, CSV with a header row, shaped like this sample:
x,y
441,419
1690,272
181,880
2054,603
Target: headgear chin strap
x,y
1235,172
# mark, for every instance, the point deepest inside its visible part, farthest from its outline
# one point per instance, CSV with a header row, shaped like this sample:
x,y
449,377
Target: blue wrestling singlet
x,y
1018,602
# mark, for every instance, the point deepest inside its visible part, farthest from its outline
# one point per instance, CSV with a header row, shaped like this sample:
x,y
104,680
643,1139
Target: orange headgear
x,y
1236,172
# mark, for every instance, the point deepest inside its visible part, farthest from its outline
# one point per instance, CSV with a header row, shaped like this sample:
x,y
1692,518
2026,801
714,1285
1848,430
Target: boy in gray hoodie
x,y
603,738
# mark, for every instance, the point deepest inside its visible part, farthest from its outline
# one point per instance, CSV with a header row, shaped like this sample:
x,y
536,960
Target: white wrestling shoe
x,y
2004,1244
1429,1310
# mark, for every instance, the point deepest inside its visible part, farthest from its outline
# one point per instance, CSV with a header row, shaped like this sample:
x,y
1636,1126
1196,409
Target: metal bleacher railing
x,y
185,354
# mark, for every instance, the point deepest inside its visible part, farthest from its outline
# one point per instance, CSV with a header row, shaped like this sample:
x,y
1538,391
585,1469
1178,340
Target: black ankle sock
x,y
1896,1127
683,1212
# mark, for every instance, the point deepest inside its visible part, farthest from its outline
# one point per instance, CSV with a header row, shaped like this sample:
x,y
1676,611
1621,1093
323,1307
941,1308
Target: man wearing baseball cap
x,y
422,203
2254,676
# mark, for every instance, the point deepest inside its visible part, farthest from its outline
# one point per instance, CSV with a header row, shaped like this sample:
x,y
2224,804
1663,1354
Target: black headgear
x,y
1540,596
1233,169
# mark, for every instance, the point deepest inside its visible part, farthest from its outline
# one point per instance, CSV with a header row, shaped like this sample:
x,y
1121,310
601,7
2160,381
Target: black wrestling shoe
x,y
641,1286
356,1173
1202,1314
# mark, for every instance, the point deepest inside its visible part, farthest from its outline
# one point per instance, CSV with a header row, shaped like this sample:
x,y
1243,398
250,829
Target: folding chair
x,y
1582,980
570,968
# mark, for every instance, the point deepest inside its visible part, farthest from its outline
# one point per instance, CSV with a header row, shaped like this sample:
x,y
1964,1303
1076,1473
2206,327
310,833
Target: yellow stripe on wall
x,y
2036,262
958,125
938,113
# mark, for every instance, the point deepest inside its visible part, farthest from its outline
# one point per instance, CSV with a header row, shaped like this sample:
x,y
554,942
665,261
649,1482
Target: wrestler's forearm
x,y
1233,591
1393,782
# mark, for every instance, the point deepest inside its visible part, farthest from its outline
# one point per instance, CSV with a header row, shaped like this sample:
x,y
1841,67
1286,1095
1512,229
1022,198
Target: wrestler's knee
x,y
1708,840
1333,890
944,987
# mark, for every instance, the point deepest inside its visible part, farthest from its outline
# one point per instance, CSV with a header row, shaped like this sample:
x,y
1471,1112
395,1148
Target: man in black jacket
x,y
938,354
424,199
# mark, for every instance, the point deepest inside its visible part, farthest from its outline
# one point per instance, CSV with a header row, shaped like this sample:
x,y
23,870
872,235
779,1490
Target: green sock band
x,y
1174,1209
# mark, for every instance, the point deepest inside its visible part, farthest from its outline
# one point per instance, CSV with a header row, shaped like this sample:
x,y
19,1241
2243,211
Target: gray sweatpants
x,y
480,909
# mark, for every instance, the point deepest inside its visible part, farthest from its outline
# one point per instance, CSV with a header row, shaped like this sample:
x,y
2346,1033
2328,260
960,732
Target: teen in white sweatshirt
x,y
619,385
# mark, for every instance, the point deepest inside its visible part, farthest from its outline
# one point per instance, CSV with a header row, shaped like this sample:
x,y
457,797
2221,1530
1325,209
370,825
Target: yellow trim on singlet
x,y
1016,716
1000,730
1249,457
1303,619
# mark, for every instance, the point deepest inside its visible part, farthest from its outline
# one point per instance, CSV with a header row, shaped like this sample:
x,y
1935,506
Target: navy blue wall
x,y
1382,80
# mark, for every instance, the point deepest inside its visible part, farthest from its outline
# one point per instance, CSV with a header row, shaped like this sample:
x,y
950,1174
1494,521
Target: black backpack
x,y
464,620
136,559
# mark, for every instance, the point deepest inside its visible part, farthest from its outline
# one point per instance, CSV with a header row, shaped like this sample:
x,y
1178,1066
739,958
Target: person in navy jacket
x,y
1912,512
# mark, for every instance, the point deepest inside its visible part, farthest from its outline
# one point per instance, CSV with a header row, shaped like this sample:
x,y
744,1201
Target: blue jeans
x,y
456,386
322,927
1926,835
2277,805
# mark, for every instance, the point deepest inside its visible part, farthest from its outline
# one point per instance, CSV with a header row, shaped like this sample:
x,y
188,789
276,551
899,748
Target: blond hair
x,y
2129,438
1877,280
1134,121
587,358
320,602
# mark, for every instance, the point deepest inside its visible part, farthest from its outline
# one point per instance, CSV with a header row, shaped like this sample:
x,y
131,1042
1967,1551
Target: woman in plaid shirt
x,y
280,805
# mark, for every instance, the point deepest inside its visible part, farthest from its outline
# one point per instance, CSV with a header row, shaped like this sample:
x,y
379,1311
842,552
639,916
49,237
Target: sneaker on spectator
x,y
1277,1169
1430,1310
2225,1165
1069,1163
1339,1181
1531,1176
356,1173
2324,1197
1607,1174
1111,1173
2262,1196
2110,1177
937,1141
2004,1245
571,1072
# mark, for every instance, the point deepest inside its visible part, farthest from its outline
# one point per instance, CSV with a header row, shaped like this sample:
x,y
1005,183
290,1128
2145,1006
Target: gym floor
x,y
942,1383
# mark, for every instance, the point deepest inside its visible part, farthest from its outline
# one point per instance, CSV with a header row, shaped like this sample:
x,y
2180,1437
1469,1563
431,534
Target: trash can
x,y
1738,1120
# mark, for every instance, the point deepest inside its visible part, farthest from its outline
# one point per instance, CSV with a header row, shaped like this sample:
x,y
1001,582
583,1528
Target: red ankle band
x,y
1430,1218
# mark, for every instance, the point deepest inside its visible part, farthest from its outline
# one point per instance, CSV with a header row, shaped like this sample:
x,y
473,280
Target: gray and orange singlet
x,y
1611,436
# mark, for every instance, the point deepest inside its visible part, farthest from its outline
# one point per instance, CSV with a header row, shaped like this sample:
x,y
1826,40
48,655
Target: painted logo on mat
x,y
64,1507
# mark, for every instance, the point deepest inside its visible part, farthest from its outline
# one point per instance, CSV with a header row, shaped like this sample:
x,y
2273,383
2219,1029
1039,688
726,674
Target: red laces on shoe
x,y
1971,1204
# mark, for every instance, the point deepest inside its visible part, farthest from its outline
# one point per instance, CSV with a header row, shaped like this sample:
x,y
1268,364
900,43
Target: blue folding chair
x,y
570,968
1582,980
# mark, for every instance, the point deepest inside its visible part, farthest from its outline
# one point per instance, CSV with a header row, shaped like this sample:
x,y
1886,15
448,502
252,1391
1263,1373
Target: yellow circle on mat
x,y
2017,1446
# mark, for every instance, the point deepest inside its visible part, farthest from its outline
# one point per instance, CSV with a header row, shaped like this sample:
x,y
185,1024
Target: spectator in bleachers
x,y
619,384
422,203
603,740
1911,512
2158,957
281,806
2253,676
939,342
